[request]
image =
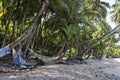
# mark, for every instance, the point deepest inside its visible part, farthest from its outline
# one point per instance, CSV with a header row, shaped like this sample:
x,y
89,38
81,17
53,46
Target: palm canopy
x,y
115,12
52,27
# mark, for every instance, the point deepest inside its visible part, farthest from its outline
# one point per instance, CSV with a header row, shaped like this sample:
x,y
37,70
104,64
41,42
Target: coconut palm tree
x,y
115,12
52,27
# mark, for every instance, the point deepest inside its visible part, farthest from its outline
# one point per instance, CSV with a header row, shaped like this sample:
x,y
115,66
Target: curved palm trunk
x,y
23,38
113,31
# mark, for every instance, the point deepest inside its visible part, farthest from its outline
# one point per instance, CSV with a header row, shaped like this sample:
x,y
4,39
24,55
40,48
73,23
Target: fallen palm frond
x,y
45,59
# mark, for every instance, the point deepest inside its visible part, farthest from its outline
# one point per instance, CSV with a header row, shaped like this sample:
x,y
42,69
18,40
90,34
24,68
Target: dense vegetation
x,y
65,28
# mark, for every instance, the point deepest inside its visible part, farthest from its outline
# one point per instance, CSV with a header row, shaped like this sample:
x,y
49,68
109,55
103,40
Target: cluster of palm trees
x,y
58,27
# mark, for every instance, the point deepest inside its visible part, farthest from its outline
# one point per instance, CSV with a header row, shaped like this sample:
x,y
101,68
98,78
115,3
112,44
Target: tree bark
x,y
6,30
32,27
113,31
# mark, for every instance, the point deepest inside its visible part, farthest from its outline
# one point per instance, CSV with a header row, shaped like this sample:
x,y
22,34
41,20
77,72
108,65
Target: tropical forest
x,y
59,39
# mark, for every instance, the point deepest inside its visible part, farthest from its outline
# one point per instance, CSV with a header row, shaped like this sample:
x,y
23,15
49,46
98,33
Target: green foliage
x,y
113,52
59,7
115,12
43,58
70,53
77,22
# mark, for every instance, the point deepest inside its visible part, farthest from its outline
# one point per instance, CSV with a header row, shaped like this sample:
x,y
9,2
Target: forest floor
x,y
92,69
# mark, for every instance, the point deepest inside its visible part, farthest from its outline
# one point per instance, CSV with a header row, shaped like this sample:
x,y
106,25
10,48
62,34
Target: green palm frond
x,y
67,32
60,8
45,59
105,4
115,13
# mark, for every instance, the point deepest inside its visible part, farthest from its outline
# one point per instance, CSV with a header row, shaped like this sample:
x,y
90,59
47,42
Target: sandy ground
x,y
106,69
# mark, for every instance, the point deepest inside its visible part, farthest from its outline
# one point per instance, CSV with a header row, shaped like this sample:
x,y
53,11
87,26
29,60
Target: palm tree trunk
x,y
113,31
5,35
13,32
32,27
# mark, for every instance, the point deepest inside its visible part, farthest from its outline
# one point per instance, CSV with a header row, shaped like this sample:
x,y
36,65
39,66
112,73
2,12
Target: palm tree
x,y
116,12
56,26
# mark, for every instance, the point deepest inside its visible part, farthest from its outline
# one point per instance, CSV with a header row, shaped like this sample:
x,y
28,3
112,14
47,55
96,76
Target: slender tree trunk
x,y
27,33
13,32
113,31
61,50
6,30
26,4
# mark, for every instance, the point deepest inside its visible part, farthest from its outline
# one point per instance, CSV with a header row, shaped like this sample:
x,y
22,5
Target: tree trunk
x,y
20,41
113,31
13,32
5,35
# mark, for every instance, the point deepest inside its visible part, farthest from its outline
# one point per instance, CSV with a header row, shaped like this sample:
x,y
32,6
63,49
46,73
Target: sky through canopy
x,y
111,2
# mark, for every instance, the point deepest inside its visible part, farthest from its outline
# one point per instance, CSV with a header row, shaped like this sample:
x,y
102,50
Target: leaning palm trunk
x,y
113,31
25,36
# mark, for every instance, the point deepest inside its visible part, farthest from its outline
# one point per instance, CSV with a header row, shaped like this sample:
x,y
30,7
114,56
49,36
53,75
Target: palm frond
x,y
105,4
45,59
60,8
